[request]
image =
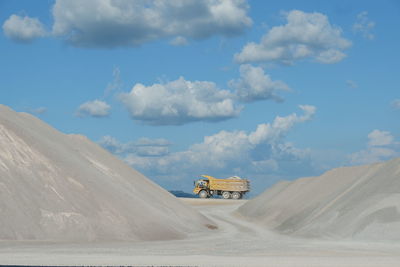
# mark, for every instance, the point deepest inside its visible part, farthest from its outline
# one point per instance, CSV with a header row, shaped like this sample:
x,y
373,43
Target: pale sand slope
x,y
361,202
236,242
66,188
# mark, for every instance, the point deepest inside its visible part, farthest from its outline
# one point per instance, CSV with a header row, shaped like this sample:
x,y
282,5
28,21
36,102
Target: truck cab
x,y
201,188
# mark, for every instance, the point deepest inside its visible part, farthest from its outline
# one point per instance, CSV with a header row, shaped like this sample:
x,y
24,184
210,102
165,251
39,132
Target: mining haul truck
x,y
232,187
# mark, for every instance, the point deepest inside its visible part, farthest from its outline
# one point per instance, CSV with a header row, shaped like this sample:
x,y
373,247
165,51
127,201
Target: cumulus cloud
x,y
179,102
108,23
306,35
396,103
261,151
23,29
381,146
143,147
364,26
254,85
95,108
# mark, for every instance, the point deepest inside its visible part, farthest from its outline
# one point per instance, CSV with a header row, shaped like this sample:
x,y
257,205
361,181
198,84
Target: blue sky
x,y
267,91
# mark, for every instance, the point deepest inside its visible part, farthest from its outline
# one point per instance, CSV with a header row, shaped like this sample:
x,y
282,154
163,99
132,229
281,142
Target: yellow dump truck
x,y
232,187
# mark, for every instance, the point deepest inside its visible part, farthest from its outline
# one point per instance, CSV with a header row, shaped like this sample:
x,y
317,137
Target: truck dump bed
x,y
239,185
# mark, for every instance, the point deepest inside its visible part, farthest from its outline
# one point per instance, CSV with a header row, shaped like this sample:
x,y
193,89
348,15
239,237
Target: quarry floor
x,y
236,242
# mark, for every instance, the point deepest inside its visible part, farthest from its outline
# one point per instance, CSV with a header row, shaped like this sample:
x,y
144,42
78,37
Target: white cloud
x,y
179,102
280,126
306,35
372,155
107,23
396,103
152,151
380,138
254,85
364,25
381,146
95,108
23,29
144,147
261,151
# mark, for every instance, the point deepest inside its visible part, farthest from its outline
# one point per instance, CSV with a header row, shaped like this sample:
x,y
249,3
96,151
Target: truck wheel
x,y
236,195
203,194
226,195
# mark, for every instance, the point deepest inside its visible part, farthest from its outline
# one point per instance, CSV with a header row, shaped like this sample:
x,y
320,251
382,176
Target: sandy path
x,y
236,242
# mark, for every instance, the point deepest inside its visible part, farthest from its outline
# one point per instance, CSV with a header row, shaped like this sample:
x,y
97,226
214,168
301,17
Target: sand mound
x,y
64,187
360,202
